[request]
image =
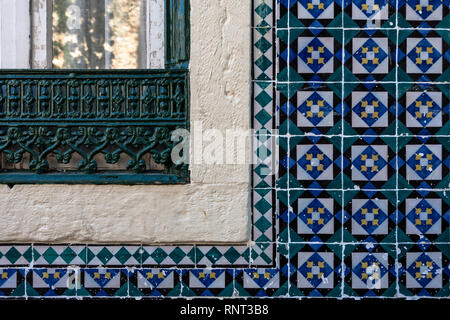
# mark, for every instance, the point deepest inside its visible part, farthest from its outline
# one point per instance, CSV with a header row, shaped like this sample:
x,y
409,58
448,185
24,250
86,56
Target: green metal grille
x,y
49,119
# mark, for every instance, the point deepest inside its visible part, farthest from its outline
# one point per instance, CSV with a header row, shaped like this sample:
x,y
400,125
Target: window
x,y
91,90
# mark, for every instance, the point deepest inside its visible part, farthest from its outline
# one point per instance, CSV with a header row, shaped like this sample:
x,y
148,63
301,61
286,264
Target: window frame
x,y
166,82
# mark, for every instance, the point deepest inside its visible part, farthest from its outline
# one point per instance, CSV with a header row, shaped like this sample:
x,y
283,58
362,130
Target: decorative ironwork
x,y
68,115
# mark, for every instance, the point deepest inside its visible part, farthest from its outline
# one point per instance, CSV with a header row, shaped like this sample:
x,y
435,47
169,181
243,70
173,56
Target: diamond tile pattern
x,y
350,183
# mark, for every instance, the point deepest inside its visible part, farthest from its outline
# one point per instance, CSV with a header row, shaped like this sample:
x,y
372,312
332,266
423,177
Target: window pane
x,y
99,34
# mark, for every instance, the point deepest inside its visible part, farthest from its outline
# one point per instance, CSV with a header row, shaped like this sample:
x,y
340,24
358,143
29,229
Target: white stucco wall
x,y
213,208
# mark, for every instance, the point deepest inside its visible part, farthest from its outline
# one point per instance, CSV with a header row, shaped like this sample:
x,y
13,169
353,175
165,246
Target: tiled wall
x,y
359,205
362,109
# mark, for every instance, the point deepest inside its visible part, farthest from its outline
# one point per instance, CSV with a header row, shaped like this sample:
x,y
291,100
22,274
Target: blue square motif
x,y
315,55
423,162
370,55
370,109
315,270
369,162
315,108
424,55
424,109
370,270
370,217
314,162
423,269
423,216
315,216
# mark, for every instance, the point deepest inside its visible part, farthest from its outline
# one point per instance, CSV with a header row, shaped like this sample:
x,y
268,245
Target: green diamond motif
x,y
263,45
262,192
263,117
263,152
12,255
262,170
198,254
263,24
262,131
177,255
213,254
263,10
263,206
144,256
263,238
263,31
263,63
263,99
68,255
263,224
35,254
50,255
261,255
159,255
104,255
137,255
232,255
262,138
86,255
123,255
191,254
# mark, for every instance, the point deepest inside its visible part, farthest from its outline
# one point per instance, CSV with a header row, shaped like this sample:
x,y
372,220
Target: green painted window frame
x,y
99,111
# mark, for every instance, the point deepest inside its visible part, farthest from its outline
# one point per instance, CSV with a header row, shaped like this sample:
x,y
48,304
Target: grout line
x,y
364,190
354,82
348,136
396,150
358,29
288,180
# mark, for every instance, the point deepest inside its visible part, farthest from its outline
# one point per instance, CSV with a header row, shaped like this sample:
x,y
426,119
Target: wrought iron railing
x,y
91,126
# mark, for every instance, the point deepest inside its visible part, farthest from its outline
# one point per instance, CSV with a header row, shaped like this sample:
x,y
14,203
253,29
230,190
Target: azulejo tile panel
x,y
350,188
